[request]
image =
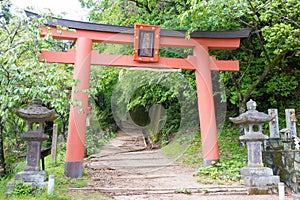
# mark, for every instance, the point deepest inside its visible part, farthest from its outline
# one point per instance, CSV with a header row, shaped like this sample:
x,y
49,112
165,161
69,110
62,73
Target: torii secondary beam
x,y
126,61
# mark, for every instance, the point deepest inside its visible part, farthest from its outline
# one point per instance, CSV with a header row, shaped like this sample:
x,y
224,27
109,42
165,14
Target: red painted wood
x,y
208,127
120,38
224,65
77,119
58,57
127,61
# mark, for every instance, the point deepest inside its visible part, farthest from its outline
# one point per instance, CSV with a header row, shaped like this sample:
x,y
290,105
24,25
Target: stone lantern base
x,y
259,180
34,178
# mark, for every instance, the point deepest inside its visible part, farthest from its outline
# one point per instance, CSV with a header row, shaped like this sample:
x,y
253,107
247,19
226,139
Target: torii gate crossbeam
x,y
83,57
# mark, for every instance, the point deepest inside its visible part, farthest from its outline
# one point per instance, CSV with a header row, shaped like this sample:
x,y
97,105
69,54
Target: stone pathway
x,y
124,169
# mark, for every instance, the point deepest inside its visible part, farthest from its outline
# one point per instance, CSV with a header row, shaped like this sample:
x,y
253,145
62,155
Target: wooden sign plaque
x,y
146,43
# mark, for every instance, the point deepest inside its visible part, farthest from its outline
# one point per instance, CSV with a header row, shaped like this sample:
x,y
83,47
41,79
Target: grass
x,y
62,183
232,158
184,148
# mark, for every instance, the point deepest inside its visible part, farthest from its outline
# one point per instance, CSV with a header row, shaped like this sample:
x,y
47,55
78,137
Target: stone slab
x,y
32,176
261,181
256,171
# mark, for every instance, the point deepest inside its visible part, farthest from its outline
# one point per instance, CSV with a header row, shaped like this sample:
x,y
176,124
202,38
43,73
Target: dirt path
x,y
124,169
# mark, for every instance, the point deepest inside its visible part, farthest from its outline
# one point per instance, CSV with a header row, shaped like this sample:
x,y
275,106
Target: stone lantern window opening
x,y
257,128
253,128
35,126
286,135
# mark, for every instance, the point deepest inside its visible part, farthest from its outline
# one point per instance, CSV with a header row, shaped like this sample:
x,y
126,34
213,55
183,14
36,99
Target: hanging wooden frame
x,y
146,43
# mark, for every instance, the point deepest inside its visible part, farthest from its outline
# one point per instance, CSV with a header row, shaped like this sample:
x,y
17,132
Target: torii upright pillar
x,y
77,119
208,127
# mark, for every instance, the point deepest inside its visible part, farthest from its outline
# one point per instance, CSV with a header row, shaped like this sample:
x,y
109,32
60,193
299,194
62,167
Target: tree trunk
x,y
2,159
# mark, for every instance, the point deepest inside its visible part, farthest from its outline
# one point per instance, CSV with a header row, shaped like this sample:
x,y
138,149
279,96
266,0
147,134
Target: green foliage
x,y
224,172
280,39
95,140
128,13
22,189
211,15
103,81
269,57
13,146
23,78
232,159
193,154
62,183
183,191
138,91
282,85
102,124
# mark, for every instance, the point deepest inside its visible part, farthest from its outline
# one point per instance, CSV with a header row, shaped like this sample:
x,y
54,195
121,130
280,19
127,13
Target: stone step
x,y
140,191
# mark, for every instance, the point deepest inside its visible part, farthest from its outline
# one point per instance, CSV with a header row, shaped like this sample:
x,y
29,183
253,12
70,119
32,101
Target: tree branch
x,y
248,66
283,17
7,74
261,41
15,32
236,87
142,5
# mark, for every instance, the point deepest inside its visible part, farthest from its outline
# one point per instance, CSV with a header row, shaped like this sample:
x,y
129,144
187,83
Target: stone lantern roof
x,y
252,116
36,112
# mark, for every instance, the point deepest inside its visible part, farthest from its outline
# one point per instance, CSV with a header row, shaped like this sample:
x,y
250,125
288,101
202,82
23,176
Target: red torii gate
x,y
83,57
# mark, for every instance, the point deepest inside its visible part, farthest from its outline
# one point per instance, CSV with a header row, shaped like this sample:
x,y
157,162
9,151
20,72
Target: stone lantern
x,y
286,138
257,178
36,115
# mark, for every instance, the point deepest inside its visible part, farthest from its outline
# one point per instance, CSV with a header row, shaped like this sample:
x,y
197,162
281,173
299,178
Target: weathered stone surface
x,y
252,116
10,187
290,119
253,137
32,176
281,156
36,116
254,154
36,111
273,124
258,179
284,163
261,181
297,157
256,171
34,135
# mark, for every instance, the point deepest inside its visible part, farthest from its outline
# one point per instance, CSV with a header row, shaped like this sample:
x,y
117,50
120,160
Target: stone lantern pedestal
x,y
36,115
258,179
